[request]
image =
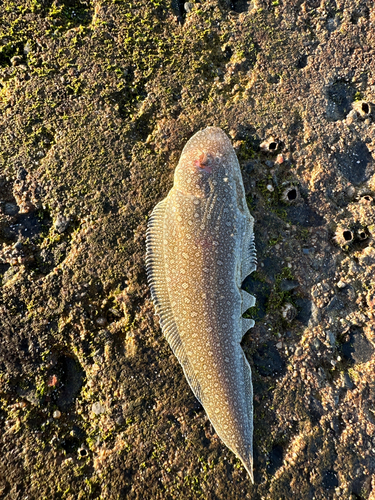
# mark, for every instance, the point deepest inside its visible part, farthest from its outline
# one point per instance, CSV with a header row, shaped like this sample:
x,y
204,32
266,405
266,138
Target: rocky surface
x,y
97,99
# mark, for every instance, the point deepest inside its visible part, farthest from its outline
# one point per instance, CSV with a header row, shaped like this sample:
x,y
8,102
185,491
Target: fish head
x,y
204,164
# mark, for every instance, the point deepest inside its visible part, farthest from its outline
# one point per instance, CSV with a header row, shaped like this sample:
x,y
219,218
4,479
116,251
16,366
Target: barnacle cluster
x,y
359,227
345,235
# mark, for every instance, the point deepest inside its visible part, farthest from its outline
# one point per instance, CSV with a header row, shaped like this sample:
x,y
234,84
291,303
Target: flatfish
x,y
200,247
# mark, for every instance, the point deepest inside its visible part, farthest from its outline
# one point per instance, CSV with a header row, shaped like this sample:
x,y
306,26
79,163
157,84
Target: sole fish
x,y
200,247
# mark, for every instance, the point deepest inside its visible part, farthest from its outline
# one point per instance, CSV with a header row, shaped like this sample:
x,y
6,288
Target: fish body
x,y
200,247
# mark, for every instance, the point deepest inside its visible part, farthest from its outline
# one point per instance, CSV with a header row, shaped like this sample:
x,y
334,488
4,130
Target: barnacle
x,y
270,145
289,312
362,234
291,194
366,198
344,236
363,108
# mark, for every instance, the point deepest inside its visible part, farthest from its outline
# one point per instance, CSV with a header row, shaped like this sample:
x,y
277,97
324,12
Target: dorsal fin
x,y
155,268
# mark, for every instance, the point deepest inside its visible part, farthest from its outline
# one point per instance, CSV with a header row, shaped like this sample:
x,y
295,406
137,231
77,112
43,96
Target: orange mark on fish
x,y
203,163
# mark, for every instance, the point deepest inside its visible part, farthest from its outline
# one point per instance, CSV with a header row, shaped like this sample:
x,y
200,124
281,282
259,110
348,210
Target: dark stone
x,y
249,167
302,61
287,285
28,225
316,410
308,313
11,209
71,380
304,310
330,480
239,5
275,459
315,315
358,349
340,97
268,361
21,174
348,382
271,267
356,163
361,486
334,305
261,292
304,215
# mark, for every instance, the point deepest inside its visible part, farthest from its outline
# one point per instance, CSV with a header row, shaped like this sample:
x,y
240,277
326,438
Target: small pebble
x,y
316,343
61,223
56,414
299,351
10,209
97,408
188,6
101,321
279,345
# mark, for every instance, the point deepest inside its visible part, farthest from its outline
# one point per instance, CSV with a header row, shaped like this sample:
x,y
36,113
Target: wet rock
x,y
335,305
304,310
316,410
340,97
330,480
275,459
331,338
356,163
304,215
357,349
71,377
21,174
11,209
347,381
268,361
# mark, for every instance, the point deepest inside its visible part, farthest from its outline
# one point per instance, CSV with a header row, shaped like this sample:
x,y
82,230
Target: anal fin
x,y
248,300
247,324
